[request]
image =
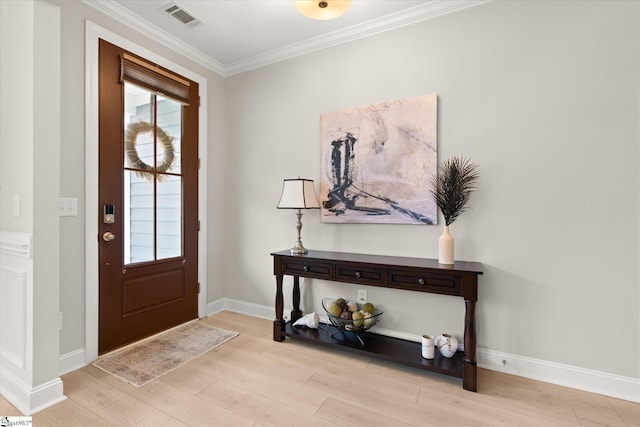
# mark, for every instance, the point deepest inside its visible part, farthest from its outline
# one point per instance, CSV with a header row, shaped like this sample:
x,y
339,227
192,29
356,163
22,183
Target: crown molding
x,y
125,16
428,10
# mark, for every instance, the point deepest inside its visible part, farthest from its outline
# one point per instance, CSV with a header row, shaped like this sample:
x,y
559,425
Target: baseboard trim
x,y
243,307
73,360
27,399
46,395
215,307
590,380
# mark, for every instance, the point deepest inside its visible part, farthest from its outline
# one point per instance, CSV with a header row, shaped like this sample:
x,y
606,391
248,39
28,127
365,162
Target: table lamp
x,y
298,194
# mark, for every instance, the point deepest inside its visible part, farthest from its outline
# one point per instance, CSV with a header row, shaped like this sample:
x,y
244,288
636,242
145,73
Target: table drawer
x,y
419,281
355,274
320,270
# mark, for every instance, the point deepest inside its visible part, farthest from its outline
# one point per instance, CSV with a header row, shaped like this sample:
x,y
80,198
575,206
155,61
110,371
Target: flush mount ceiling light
x,y
322,9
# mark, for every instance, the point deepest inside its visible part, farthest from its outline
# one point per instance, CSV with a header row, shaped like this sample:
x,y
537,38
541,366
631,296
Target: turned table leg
x,y
470,370
296,313
278,324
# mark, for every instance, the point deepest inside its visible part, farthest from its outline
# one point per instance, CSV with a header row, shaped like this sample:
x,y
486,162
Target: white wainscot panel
x,y
13,316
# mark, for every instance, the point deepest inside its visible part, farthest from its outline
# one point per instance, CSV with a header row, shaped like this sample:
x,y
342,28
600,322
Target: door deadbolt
x,y
108,236
108,214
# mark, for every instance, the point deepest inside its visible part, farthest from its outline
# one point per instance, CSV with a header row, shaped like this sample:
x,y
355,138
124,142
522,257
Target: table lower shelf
x,y
392,349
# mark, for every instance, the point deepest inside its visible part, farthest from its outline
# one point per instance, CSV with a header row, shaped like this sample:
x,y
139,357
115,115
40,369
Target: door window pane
x,y
170,121
138,127
152,180
169,209
139,221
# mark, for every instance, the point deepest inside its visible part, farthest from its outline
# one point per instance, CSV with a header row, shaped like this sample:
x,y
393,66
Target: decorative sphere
x,y
369,308
358,318
369,320
335,310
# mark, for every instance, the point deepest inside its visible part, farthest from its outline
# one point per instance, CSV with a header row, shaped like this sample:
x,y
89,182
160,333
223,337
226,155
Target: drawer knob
x,y
358,274
421,281
305,268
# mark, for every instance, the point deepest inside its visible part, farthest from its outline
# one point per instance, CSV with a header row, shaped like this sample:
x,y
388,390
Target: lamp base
x,y
298,249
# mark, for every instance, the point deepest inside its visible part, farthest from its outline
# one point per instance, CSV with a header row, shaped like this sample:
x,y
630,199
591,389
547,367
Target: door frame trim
x,y
93,33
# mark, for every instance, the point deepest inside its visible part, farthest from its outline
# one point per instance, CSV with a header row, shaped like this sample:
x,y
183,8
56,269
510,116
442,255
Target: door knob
x,y
108,236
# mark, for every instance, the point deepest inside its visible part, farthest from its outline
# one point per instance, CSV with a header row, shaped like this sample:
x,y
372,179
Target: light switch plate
x,y
68,206
15,206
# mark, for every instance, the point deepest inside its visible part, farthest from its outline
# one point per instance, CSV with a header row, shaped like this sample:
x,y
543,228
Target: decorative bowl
x,y
349,324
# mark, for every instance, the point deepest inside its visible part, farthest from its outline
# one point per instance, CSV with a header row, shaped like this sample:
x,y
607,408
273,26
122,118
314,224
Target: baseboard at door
x,y
27,399
243,307
73,360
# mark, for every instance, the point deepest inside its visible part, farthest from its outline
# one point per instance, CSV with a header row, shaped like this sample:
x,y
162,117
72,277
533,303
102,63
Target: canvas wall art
x,y
377,162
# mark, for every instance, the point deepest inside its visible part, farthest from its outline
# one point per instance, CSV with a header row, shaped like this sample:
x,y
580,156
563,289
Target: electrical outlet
x,y
362,296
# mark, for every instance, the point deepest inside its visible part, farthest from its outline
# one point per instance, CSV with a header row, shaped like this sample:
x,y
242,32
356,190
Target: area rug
x,y
143,362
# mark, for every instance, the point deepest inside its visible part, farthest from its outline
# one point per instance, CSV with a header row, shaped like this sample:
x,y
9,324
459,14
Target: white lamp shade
x,y
322,9
298,194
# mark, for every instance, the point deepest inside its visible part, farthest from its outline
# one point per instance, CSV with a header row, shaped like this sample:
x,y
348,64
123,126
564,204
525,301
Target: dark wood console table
x,y
411,274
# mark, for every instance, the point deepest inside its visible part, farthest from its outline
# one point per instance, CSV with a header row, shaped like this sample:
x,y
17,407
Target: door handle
x,y
108,236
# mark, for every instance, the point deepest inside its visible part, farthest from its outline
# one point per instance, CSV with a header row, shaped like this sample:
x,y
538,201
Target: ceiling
x,y
240,35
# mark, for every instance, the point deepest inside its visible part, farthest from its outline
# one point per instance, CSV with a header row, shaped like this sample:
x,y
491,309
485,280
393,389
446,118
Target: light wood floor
x,y
255,381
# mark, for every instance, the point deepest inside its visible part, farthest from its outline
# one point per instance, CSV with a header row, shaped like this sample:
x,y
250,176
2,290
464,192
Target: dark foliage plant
x,y
453,185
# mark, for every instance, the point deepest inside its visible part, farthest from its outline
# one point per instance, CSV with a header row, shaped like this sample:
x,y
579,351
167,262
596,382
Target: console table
x,y
411,274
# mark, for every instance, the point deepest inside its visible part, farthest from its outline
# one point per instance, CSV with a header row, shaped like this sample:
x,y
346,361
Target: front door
x,y
148,232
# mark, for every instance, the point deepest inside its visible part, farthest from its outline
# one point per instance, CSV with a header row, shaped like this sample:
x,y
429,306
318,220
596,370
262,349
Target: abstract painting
x,y
377,162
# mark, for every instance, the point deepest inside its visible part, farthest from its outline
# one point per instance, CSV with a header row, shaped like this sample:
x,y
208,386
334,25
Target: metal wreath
x,y
145,170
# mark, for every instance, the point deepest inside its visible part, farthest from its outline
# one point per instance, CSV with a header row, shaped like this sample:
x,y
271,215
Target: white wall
x,y
46,192
544,97
16,115
31,147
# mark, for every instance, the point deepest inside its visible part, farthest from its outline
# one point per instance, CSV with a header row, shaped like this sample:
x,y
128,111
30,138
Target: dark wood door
x,y
148,189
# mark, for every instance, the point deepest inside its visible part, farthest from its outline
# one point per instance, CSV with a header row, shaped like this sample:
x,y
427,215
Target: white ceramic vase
x,y
428,347
447,344
445,247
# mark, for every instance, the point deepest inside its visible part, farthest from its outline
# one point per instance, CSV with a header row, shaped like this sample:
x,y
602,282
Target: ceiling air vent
x,y
182,15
